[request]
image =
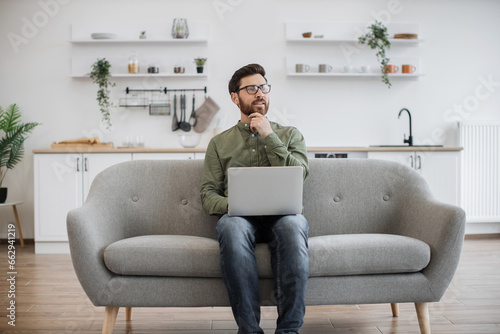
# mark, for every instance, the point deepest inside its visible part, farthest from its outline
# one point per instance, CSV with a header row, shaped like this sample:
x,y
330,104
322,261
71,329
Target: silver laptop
x,y
264,191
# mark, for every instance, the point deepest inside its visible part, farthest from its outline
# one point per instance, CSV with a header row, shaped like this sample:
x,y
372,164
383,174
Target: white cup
x,y
365,68
348,69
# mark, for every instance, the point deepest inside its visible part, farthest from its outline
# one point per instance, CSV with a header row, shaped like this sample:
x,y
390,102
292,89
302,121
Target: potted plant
x,y
143,35
101,75
377,38
200,62
14,133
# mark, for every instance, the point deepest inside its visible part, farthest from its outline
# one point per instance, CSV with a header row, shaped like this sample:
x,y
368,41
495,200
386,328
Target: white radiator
x,y
481,171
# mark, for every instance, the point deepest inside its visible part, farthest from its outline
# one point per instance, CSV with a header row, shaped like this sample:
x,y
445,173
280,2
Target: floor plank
x,y
49,299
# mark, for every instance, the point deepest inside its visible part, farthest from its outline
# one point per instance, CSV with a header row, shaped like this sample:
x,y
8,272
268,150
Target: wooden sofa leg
x,y
395,309
109,319
128,313
423,317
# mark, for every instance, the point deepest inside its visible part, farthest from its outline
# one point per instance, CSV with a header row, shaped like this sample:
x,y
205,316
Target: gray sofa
x,y
377,235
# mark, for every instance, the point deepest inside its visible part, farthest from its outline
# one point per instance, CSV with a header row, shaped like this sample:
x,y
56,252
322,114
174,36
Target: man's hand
x,y
260,123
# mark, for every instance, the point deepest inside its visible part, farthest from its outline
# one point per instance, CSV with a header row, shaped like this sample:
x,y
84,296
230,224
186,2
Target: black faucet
x,y
410,139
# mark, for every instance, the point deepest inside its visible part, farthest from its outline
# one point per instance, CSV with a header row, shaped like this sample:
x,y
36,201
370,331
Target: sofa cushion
x,y
331,255
164,255
358,254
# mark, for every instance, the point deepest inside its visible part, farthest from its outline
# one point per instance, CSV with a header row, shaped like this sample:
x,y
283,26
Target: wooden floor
x,y
49,299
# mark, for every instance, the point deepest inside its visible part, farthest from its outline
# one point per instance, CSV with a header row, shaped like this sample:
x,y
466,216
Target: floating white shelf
x,y
129,32
312,40
146,75
127,41
335,44
141,41
359,75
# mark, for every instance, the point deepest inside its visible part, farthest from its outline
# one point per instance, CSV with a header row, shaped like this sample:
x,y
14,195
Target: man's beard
x,y
248,109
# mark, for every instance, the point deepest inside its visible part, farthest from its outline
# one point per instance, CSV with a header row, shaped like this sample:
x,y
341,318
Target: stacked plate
x,y
103,35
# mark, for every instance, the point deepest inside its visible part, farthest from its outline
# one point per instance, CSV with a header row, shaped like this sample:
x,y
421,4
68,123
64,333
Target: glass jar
x,y
180,28
133,64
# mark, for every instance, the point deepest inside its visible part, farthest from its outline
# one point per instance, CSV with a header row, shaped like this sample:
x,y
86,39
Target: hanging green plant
x,y
377,38
101,75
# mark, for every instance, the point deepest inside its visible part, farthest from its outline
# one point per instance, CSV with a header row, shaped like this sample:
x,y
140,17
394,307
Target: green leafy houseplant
x,y
101,75
14,133
200,61
377,38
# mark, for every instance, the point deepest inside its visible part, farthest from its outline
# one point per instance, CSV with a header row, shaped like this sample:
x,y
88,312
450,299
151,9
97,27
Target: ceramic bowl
x,y
189,140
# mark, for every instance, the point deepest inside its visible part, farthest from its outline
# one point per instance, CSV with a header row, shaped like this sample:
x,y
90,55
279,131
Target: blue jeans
x,y
287,240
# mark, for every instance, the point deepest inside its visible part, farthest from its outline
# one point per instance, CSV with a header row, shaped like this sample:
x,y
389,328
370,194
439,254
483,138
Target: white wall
x,y
460,53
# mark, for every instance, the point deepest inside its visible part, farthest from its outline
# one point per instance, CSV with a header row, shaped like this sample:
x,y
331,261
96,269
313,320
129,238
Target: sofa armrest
x,y
442,227
91,229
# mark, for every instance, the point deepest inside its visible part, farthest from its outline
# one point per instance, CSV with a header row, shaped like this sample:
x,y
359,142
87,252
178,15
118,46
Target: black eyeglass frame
x,y
258,86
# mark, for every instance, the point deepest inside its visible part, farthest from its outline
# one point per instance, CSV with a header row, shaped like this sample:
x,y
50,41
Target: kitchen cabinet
x,y
93,164
58,189
440,169
336,44
62,183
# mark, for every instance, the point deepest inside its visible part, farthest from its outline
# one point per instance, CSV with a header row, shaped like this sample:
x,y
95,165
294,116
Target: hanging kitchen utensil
x,y
175,121
185,126
192,118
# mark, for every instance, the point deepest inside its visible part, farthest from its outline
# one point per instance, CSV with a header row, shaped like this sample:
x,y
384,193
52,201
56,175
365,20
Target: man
x,y
255,141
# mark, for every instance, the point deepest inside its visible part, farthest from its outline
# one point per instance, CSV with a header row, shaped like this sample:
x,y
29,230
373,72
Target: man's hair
x,y
245,71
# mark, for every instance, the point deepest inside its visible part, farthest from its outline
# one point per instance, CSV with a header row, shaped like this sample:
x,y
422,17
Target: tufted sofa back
x,y
345,196
340,196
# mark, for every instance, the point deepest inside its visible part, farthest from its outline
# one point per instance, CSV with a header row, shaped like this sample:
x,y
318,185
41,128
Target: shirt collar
x,y
244,126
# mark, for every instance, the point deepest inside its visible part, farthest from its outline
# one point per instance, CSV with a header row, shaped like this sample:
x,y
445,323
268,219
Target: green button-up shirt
x,y
240,147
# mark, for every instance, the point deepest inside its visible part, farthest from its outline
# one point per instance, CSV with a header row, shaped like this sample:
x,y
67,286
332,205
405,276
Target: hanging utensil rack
x,y
189,90
157,100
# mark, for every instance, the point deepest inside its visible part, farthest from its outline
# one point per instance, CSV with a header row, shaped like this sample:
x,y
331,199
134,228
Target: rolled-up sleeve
x,y
291,153
213,199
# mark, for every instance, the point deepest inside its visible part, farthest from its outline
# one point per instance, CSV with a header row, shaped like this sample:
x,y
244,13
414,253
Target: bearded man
x,y
255,141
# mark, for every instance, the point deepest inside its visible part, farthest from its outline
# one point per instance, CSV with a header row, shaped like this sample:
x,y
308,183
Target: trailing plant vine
x,y
101,75
377,38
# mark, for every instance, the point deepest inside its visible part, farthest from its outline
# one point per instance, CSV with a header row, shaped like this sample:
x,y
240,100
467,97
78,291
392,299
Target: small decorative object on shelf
x,y
100,75
153,69
178,69
143,35
133,64
180,29
377,38
406,36
200,62
12,143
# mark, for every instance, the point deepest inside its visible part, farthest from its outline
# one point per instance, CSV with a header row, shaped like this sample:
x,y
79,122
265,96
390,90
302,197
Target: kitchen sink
x,y
406,146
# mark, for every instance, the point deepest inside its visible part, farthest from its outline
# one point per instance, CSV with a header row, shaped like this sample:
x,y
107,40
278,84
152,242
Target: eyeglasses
x,y
253,89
